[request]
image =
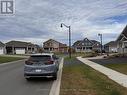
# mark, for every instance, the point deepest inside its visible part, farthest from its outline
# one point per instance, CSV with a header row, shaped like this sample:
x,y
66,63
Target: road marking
x,y
2,64
55,89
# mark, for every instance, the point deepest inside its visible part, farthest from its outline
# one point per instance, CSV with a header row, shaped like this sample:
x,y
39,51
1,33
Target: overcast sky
x,y
39,20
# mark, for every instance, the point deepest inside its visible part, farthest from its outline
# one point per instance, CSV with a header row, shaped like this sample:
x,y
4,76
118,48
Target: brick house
x,y
54,46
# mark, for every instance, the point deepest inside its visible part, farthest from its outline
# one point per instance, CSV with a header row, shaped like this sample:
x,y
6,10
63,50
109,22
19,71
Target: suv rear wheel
x,y
28,79
55,77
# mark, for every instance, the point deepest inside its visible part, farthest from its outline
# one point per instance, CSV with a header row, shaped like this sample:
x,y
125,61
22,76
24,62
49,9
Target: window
x,y
40,58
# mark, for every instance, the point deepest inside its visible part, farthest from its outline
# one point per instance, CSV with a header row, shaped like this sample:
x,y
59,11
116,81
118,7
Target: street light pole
x,y
101,41
69,27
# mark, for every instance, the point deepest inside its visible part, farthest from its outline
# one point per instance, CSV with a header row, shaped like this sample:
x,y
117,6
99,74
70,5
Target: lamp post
x,y
69,27
101,41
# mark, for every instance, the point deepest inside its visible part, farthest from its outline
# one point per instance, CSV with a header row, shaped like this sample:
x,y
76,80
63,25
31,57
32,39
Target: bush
x,y
90,54
117,55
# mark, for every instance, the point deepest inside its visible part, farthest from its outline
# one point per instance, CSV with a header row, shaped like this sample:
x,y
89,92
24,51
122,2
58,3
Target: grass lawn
x,y
121,67
80,79
4,59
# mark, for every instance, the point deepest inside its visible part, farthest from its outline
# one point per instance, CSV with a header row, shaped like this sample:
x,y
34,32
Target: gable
x,y
85,42
123,35
2,44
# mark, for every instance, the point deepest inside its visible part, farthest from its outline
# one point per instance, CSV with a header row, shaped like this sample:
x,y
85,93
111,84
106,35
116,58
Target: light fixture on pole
x,y
69,27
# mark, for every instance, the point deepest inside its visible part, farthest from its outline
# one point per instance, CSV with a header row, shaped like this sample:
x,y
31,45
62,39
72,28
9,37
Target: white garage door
x,y
1,51
20,50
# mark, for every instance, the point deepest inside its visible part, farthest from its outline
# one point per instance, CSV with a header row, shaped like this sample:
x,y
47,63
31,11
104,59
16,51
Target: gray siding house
x,y
86,45
111,47
122,41
19,47
2,48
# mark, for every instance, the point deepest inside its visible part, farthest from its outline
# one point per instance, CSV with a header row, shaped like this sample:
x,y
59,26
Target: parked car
x,y
41,65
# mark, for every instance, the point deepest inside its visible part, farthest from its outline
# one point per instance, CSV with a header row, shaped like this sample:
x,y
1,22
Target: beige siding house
x,y
19,47
2,48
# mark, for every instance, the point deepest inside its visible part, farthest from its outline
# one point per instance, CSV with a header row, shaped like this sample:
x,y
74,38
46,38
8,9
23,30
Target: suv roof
x,y
50,54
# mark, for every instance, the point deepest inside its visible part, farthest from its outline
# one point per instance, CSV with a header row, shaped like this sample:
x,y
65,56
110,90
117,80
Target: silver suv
x,y
41,65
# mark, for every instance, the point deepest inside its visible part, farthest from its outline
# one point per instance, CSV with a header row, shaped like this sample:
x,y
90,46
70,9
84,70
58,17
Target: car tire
x,y
28,79
55,77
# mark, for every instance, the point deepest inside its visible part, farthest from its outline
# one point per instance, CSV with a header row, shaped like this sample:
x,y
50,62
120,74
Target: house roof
x,y
51,40
2,44
19,44
111,43
123,34
60,44
79,42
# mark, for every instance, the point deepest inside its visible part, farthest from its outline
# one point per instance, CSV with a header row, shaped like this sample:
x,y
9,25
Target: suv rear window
x,y
40,58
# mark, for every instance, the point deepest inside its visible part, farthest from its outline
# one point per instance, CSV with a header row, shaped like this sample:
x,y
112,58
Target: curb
x,y
55,89
2,64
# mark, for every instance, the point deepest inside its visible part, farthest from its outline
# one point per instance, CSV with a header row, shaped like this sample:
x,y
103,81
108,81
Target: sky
x,y
39,20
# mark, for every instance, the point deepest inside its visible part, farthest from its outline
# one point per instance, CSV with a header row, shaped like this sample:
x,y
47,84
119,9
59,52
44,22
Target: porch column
x,y
31,49
13,50
26,50
82,49
123,47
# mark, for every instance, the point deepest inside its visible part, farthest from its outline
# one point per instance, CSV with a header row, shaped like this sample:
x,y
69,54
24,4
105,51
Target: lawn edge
x,y
6,63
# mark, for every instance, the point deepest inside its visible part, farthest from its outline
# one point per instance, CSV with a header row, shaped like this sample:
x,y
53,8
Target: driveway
x,y
12,81
109,60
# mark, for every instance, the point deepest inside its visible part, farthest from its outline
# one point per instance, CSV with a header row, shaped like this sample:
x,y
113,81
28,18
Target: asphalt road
x,y
12,81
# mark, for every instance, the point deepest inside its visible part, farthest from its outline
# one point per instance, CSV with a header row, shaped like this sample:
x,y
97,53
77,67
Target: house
x,y
2,48
122,41
19,47
111,47
54,46
87,45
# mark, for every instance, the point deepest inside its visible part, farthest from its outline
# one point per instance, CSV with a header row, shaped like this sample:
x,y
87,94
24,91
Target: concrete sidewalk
x,y
112,74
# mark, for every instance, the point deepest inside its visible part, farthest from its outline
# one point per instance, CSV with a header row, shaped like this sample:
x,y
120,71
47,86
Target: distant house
x,y
19,47
111,47
2,48
86,45
122,41
54,46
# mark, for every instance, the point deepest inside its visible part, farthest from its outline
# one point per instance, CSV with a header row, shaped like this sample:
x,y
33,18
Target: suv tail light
x,y
28,62
50,62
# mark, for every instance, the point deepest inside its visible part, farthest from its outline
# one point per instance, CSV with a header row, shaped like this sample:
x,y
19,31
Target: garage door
x,y
1,51
20,51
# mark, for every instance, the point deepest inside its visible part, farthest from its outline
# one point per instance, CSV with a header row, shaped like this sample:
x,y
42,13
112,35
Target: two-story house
x,y
122,41
86,45
54,46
